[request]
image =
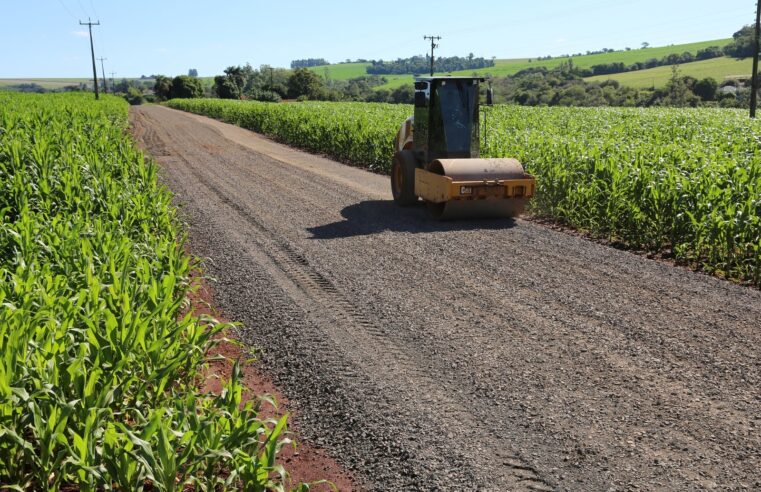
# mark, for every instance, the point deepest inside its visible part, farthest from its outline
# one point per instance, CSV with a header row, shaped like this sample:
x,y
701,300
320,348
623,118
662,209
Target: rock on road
x,y
469,355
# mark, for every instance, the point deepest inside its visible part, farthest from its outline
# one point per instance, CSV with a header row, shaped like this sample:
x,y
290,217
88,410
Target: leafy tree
x,y
710,52
706,89
225,88
264,95
743,43
184,87
134,96
237,76
304,82
403,95
192,72
162,87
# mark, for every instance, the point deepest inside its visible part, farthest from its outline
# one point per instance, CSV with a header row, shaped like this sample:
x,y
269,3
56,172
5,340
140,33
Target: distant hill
x,y
718,68
504,67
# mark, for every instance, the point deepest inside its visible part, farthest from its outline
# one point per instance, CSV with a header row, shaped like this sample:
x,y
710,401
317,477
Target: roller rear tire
x,y
403,178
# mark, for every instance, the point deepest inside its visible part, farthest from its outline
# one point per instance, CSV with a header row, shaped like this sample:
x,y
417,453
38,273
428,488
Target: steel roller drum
x,y
478,170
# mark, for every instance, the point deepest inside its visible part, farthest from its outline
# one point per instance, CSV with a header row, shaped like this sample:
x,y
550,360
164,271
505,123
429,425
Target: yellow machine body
x,y
438,157
474,187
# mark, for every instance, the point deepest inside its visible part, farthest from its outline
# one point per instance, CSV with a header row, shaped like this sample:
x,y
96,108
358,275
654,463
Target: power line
x,y
93,9
433,46
89,25
83,8
67,9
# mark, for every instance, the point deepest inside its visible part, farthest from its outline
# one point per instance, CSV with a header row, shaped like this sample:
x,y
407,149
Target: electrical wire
x,y
67,9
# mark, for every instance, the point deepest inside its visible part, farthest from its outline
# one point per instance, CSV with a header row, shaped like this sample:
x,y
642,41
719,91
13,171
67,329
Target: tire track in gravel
x,y
577,366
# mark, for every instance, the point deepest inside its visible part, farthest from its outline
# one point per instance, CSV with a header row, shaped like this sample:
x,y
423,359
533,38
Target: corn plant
x,y
98,370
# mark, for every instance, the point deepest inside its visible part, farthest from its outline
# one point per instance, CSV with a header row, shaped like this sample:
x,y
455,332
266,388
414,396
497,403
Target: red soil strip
x,y
305,463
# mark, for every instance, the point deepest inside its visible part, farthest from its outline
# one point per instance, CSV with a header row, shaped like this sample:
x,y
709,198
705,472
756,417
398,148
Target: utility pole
x,y
103,72
113,85
756,48
92,52
433,45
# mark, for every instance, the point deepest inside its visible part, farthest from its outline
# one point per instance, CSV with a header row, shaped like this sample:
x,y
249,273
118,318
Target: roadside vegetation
x,y
682,183
99,368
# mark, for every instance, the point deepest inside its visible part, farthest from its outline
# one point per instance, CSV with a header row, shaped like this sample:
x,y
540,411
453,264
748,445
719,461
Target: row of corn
x,y
682,182
99,370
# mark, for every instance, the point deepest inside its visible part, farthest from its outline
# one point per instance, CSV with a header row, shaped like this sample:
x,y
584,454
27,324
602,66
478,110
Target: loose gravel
x,y
471,355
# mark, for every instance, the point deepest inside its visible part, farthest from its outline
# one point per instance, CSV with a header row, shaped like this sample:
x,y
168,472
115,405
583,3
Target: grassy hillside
x,y
46,83
342,71
59,83
504,67
718,68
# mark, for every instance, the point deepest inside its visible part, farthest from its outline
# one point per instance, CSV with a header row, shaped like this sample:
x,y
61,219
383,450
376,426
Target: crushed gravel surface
x,y
471,355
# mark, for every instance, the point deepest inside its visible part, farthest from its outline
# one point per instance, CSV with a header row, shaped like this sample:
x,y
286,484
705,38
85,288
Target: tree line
x,y
422,64
309,62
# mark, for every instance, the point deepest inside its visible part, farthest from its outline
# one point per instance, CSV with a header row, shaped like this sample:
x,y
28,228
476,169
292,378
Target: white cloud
x,y
80,34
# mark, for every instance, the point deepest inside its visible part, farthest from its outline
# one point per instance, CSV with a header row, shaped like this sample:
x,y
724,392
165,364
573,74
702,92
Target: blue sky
x,y
42,38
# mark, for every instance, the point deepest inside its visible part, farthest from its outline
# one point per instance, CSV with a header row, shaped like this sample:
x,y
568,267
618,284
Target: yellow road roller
x,y
437,157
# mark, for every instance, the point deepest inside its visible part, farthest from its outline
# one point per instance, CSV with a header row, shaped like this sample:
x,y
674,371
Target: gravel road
x,y
470,355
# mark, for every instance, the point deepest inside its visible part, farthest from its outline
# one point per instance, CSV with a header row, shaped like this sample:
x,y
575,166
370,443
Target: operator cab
x,y
446,117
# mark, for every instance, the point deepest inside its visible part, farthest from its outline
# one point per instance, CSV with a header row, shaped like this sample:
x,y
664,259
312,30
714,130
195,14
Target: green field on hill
x,y
59,83
505,67
46,83
718,68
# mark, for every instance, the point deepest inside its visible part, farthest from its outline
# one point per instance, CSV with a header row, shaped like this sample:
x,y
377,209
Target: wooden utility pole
x,y
433,45
92,52
113,84
103,74
756,48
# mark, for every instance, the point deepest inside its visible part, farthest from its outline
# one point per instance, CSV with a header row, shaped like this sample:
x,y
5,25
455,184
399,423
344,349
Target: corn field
x,y
98,370
681,182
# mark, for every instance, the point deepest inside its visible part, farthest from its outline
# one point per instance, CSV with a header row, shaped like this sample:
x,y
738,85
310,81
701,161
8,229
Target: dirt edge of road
x,y
304,462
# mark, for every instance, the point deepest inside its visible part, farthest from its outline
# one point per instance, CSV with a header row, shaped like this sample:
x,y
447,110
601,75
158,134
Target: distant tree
x,y
264,95
225,88
304,82
742,44
706,89
192,72
134,96
162,87
708,53
403,95
645,45
236,76
309,62
184,87
686,57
